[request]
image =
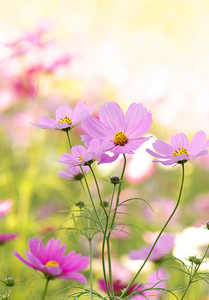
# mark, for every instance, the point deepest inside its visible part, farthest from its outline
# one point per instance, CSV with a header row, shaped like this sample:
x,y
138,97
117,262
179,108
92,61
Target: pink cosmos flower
x,y
180,150
73,173
118,287
123,131
163,246
5,237
66,118
5,207
82,156
50,260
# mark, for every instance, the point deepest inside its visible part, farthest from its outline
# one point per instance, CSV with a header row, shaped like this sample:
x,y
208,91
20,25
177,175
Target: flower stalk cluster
x,y
107,137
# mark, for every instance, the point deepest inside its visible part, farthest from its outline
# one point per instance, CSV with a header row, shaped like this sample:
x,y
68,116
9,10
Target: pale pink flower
x,y
157,284
164,246
73,173
5,207
51,261
82,156
122,131
66,118
180,150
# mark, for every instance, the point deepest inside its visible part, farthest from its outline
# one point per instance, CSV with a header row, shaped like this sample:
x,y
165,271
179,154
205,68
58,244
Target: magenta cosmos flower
x,y
66,118
73,173
50,260
180,150
118,287
5,237
123,131
82,156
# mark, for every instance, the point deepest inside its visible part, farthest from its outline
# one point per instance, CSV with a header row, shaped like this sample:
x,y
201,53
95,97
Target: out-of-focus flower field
x,y
63,52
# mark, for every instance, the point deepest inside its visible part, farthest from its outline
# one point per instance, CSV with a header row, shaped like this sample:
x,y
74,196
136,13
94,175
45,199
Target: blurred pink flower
x,y
157,283
123,131
5,207
164,246
162,208
73,173
118,287
180,150
5,237
50,260
83,156
66,118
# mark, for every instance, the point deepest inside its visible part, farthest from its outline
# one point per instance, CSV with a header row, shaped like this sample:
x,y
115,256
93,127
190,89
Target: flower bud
x,y
80,203
115,179
9,281
197,261
207,225
191,258
105,203
4,297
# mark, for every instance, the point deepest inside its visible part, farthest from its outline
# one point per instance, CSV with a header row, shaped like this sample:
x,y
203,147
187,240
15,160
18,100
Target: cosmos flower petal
x,y
133,115
198,142
62,111
141,127
94,128
45,123
75,276
179,139
163,148
112,116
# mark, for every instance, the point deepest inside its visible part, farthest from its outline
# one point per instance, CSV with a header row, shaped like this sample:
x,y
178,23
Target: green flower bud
x,y
80,203
197,261
9,281
105,203
4,297
115,179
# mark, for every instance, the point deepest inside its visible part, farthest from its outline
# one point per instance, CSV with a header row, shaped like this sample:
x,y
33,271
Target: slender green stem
x,y
193,274
10,293
104,234
91,270
92,201
159,235
112,225
68,136
98,190
118,196
46,286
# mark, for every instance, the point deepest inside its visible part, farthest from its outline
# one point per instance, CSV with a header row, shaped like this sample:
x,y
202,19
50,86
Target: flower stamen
x,y
80,157
65,120
52,263
120,139
180,151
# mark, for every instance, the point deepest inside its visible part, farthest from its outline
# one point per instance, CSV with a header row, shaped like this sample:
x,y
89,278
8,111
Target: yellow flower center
x,y
52,263
180,151
80,157
120,138
65,120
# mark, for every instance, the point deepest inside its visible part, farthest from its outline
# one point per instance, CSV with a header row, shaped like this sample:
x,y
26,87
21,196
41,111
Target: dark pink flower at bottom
x,y
51,261
118,287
